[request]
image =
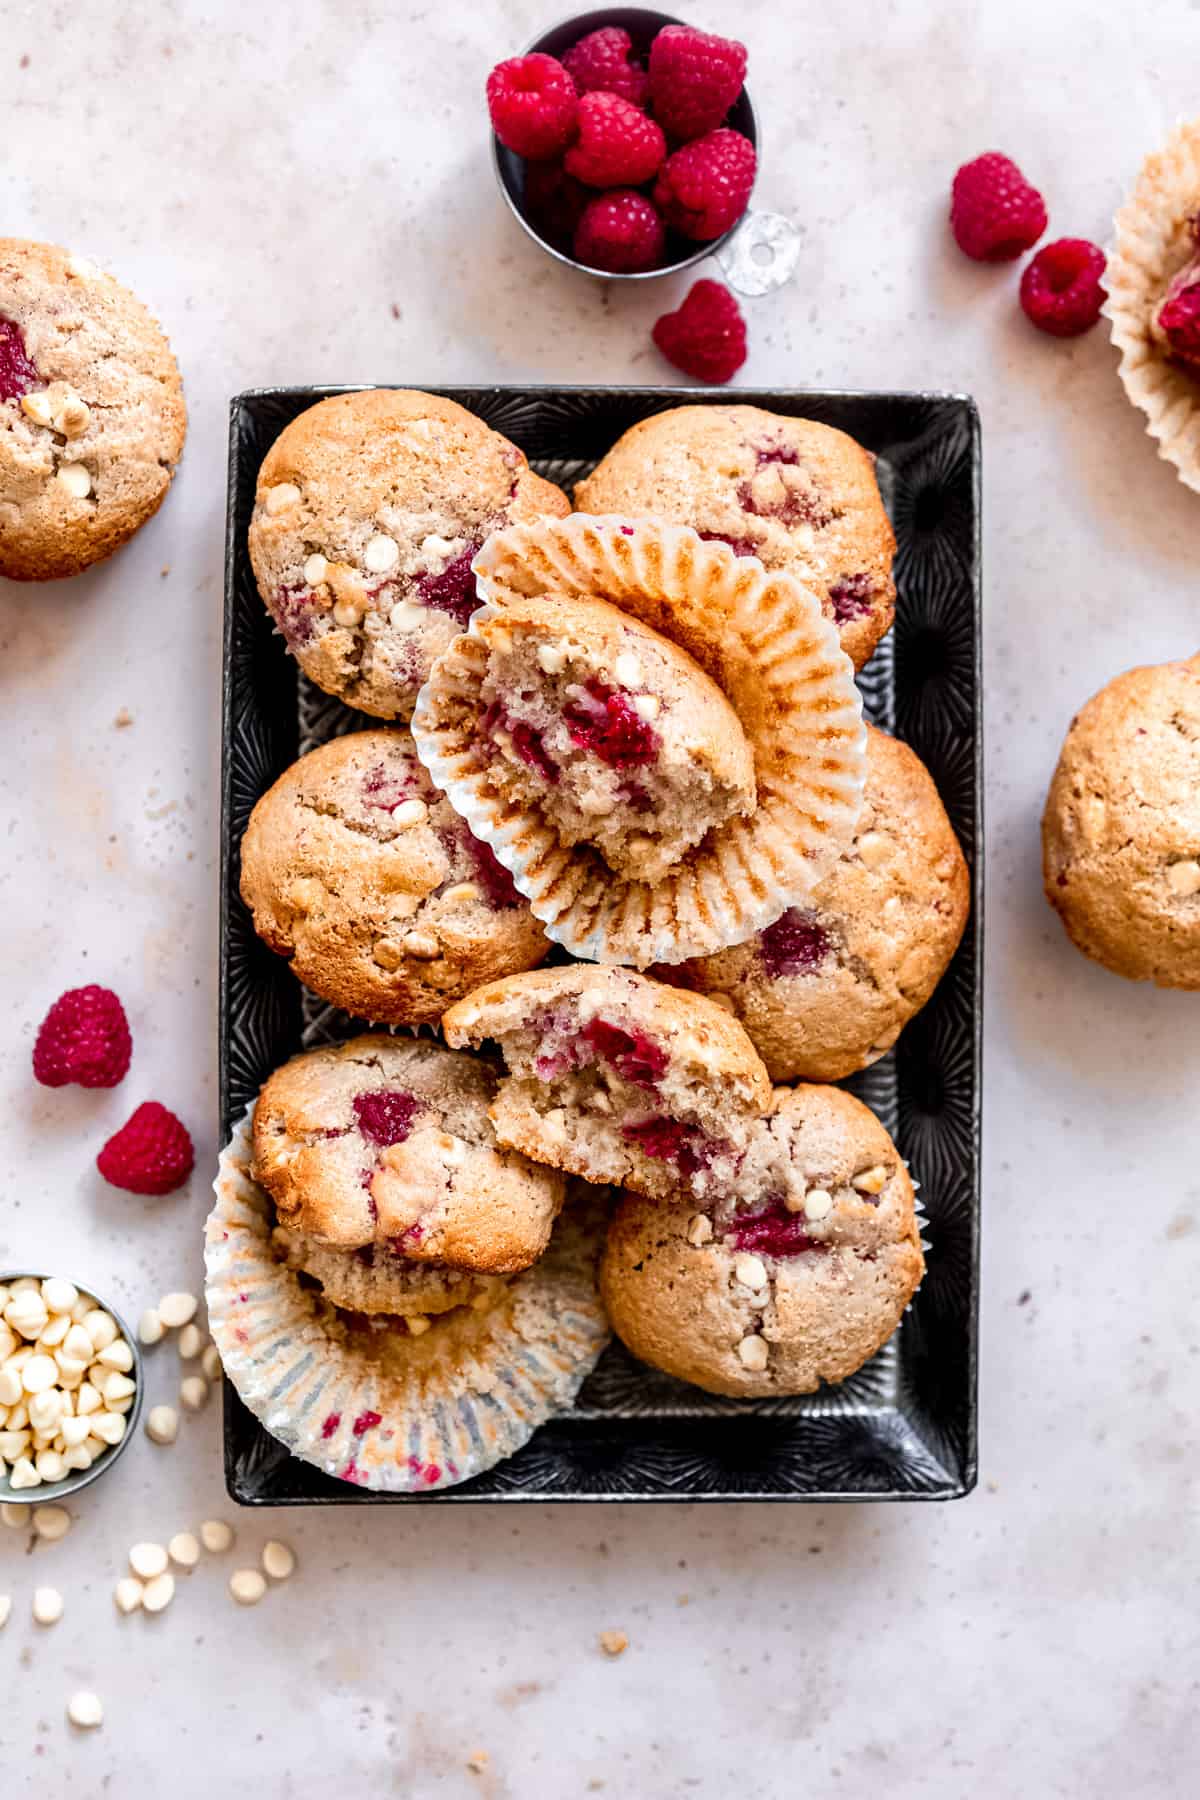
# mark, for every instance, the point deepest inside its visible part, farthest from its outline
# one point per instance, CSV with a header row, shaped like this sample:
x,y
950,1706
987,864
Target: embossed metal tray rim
x,y
904,1428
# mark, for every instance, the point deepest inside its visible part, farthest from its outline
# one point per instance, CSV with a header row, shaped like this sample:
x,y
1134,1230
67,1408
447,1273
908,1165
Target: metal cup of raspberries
x,y
624,141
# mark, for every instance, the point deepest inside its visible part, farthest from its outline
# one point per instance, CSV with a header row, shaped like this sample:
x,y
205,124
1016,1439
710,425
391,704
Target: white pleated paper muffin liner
x,y
763,639
1150,245
364,1400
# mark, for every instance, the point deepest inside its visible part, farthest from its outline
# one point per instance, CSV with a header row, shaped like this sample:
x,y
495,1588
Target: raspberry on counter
x,y
1062,289
151,1154
994,212
84,1038
707,336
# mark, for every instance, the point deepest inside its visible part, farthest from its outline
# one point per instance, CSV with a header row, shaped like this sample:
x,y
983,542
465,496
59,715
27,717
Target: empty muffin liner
x,y
1145,254
762,638
365,1401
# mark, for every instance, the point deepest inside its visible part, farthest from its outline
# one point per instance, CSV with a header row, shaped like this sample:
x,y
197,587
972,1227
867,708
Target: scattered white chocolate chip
x,y
247,1586
210,1362
1183,878
71,415
817,1204
750,1270
184,1550
699,1229
871,1181
381,554
406,615
59,1295
628,670
177,1309
278,1560
193,1391
216,1536
435,545
191,1342
150,1327
147,1560
410,812
51,1522
315,569
128,1594
162,1425
281,496
551,658
158,1593
15,1517
75,479
752,1352
421,944
47,1606
647,706
36,406
84,1710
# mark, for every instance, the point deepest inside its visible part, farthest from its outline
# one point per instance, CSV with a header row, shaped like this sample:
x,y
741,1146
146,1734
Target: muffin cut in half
x,y
617,1078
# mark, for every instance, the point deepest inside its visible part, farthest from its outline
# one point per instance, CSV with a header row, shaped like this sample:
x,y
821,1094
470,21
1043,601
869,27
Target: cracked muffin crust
x,y
92,418
617,1078
368,512
387,1142
359,871
578,713
1121,829
800,496
794,1274
828,988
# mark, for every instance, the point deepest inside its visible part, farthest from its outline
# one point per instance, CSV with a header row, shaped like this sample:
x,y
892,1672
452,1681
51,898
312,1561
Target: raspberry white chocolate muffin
x,y
1121,830
616,1078
92,419
764,646
368,512
828,988
379,1278
388,1141
608,731
795,1274
800,496
359,871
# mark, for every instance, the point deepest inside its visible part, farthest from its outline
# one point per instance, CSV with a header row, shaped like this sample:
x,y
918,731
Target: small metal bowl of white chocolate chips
x,y
71,1385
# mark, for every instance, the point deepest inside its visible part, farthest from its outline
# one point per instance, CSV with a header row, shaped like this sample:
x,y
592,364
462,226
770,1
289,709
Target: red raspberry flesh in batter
x,y
17,374
604,721
386,1115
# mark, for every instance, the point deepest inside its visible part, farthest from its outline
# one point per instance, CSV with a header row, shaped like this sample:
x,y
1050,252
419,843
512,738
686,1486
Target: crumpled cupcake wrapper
x,y
1143,257
763,639
367,1402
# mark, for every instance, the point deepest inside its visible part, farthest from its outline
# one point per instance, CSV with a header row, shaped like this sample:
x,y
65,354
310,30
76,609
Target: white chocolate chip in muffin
x,y
348,613
69,414
418,1324
381,554
628,670
647,706
410,812
315,569
874,849
75,479
407,615
422,944
752,1352
283,495
750,1270
817,1204
1183,878
871,1181
699,1229
461,893
36,406
387,954
552,659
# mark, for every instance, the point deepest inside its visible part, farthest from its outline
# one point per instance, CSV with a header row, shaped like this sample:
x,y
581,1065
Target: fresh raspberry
x,y
532,104
694,79
151,1154
84,1038
702,189
994,213
707,336
618,146
601,62
1179,315
1062,289
621,232
554,202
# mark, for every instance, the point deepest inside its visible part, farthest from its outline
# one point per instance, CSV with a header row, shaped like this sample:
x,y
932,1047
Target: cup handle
x,y
761,255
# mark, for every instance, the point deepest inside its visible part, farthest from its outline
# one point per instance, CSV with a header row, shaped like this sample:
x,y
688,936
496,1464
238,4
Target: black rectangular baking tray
x,y
904,1427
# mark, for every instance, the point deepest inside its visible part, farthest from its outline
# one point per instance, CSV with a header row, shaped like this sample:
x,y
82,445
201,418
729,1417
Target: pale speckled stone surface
x,y
302,194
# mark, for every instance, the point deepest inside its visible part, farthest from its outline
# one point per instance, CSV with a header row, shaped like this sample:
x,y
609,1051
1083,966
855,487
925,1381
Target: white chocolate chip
x,y
191,1342
280,497
75,478
51,1522
871,1181
873,849
150,1327
177,1309
75,1432
1183,878
117,1387
647,706
193,1391
381,554
108,1426
84,1710
158,1593
407,615
50,1465
628,670
56,1330
46,1410
23,1475
15,1517
14,1443
82,268
552,658
77,1345
26,1314
418,1324
101,1328
216,1536
247,1586
699,1229
10,1386
817,1204
88,1400
348,613
38,1374
750,1270
184,1550
421,944
315,569
435,545
79,1456
36,406
752,1353
279,1560
60,1296
71,414
410,812
461,893
128,1594
47,1606
162,1425
147,1560
210,1363
117,1355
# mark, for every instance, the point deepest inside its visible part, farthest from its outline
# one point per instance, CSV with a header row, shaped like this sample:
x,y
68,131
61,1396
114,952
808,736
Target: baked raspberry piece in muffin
x,y
368,512
617,1078
387,1142
793,1274
828,987
381,1279
609,732
800,496
360,872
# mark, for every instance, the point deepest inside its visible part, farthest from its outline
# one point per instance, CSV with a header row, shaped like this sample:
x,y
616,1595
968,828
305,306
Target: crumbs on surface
x,y
613,1643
